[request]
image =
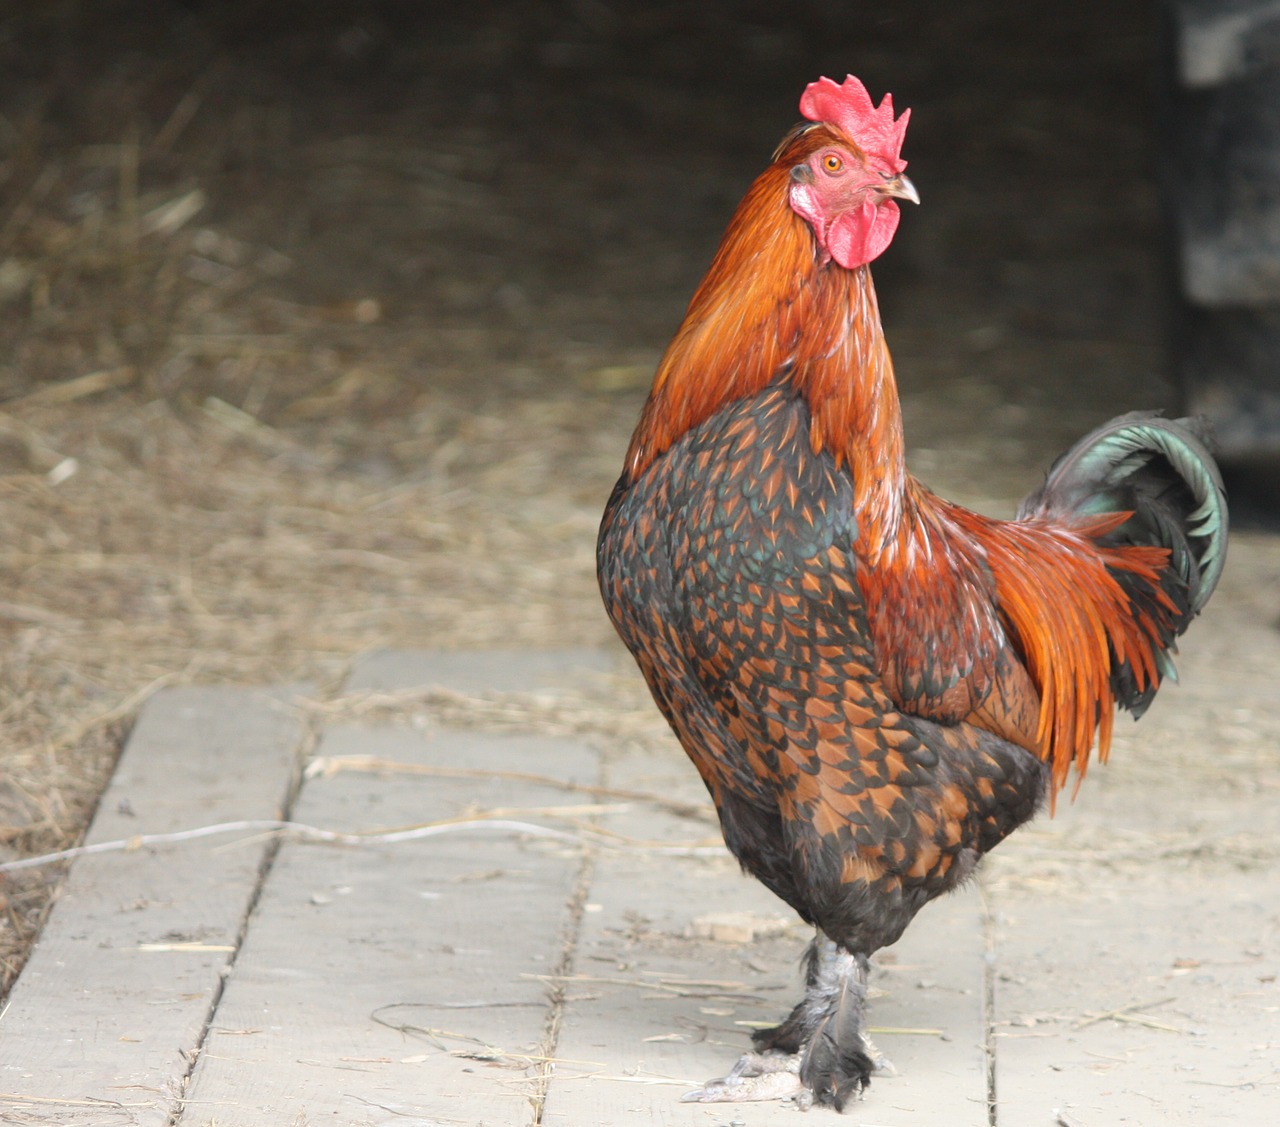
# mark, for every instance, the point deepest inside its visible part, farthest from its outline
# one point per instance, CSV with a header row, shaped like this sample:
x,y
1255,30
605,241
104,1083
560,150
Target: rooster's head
x,y
845,187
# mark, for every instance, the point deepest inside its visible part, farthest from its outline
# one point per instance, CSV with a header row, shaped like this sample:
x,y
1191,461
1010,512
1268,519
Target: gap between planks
x,y
559,983
306,748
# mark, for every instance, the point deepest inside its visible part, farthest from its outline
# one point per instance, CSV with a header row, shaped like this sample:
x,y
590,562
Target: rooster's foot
x,y
756,1076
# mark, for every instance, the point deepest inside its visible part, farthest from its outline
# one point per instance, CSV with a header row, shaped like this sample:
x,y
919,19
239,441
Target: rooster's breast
x,y
740,512
731,560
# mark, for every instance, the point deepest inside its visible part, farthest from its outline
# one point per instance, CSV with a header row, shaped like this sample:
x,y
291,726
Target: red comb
x,y
848,107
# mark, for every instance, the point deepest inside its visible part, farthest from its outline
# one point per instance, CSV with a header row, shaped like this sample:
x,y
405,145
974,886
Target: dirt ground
x,y
324,326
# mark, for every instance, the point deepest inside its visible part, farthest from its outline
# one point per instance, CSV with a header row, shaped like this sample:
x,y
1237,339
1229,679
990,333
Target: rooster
x,y
876,685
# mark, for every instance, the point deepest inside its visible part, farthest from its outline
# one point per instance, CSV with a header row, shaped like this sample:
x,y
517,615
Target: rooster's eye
x,y
832,163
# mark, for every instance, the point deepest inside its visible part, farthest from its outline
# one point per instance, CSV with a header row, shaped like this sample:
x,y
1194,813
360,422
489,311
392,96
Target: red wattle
x,y
858,237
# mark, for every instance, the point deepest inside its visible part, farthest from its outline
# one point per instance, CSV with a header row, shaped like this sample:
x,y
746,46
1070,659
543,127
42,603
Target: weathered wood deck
x,y
1116,965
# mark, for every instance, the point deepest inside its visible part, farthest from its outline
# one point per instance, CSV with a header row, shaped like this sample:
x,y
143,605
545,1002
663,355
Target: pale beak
x,y
900,188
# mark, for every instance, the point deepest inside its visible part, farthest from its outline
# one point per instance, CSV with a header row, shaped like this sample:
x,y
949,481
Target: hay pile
x,y
231,446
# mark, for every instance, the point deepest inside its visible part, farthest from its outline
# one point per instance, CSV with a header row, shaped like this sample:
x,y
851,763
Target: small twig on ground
x,y
76,734
1129,1014
434,1035
18,1100
679,990
628,1079
1272,1078
561,714
485,1052
326,766
80,387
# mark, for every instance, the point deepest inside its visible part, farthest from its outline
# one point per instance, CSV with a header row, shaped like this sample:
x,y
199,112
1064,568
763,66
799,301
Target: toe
x,y
748,1089
756,1076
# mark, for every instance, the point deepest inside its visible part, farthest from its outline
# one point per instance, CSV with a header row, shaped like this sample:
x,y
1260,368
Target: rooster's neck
x,y
846,374
770,309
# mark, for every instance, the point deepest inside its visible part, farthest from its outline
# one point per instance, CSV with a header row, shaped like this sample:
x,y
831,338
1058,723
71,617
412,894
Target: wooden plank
x,y
103,1021
448,933
1155,890
936,981
628,1051
1198,964
478,671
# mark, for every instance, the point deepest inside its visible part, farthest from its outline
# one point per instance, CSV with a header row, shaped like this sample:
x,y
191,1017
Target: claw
x,y
756,1076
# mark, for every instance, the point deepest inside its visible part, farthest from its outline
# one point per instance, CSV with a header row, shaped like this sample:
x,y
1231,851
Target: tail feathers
x,y
1162,473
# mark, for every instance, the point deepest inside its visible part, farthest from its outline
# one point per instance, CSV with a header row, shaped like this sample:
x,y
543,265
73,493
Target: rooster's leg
x,y
821,1052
